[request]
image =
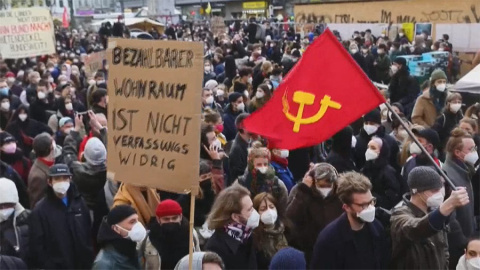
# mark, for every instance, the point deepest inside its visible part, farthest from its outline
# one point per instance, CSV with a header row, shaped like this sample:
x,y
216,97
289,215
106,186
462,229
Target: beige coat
x,y
424,112
37,182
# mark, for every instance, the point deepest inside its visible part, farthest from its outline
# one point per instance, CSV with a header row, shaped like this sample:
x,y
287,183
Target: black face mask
x,y
171,228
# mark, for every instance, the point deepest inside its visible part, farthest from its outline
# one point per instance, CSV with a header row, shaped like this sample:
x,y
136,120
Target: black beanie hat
x,y
373,116
119,213
239,87
401,61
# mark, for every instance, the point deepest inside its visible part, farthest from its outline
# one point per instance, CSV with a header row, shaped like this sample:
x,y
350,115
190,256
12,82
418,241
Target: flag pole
x,y
192,216
410,133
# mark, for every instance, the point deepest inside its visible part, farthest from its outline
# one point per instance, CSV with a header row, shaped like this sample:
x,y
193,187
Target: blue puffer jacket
x,y
284,174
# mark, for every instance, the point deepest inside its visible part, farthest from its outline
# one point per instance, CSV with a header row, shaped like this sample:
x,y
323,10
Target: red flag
x,y
65,22
322,94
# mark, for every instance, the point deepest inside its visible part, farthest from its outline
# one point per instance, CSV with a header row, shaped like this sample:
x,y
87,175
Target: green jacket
x,y
109,258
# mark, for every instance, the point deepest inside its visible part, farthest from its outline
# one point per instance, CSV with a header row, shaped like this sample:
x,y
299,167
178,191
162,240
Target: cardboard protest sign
x,y
26,32
94,62
217,25
154,110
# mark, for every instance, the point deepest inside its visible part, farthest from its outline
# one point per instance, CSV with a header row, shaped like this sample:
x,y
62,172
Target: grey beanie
x,y
95,152
424,178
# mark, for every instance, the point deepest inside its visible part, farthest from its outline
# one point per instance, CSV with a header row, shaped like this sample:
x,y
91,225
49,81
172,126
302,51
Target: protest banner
x,y
94,62
154,110
218,25
26,32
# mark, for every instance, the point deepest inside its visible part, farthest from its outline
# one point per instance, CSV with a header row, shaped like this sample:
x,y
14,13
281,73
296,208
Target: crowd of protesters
x,y
367,198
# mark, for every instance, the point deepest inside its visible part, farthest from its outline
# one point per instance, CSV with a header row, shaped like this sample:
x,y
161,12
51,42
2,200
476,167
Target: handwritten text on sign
x,y
26,32
154,92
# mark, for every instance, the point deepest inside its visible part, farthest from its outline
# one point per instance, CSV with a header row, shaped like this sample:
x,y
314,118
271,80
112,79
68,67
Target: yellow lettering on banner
x,y
254,5
304,98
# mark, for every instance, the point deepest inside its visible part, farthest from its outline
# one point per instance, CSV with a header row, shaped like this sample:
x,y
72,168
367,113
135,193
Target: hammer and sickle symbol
x,y
304,98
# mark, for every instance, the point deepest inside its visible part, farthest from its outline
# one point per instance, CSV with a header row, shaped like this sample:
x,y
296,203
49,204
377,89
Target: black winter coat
x,y
360,61
362,144
404,89
8,172
341,163
10,262
336,249
386,182
235,255
444,124
237,162
60,235
14,234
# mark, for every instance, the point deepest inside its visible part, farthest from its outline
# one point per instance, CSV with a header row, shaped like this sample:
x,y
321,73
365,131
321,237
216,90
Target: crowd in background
x,y
367,198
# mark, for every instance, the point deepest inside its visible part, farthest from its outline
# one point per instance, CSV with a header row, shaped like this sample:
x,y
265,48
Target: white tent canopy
x,y
470,82
129,21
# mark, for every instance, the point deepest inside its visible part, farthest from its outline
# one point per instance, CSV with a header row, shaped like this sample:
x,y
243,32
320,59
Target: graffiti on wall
x,y
471,15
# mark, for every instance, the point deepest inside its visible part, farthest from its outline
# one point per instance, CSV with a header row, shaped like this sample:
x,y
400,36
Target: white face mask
x,y
353,51
454,108
63,82
269,217
6,213
92,82
284,153
250,80
23,117
441,87
354,141
435,200
208,69
137,233
262,170
367,215
324,191
370,129
241,107
401,34
41,95
6,106
209,100
471,158
259,94
473,263
61,187
220,93
50,79
69,106
370,155
253,220
380,51
217,144
415,149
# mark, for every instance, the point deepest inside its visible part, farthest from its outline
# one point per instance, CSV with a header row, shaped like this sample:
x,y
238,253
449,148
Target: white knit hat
x,y
8,191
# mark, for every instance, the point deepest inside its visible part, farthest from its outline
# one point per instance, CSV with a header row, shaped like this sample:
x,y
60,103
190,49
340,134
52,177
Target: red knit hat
x,y
168,208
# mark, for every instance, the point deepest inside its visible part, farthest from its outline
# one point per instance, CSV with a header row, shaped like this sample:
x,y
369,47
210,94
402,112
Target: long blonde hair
x,y
229,201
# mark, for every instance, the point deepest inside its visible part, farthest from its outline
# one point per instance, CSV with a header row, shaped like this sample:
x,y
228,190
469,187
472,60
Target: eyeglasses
x,y
373,202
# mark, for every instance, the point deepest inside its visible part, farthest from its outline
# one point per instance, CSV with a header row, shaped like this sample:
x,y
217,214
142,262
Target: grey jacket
x,y
461,175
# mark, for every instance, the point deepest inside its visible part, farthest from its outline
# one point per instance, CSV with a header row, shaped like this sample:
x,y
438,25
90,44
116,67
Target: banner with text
x,y
94,62
154,109
26,32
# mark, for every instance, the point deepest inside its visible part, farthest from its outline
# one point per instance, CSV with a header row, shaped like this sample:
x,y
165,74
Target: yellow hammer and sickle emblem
x,y
304,98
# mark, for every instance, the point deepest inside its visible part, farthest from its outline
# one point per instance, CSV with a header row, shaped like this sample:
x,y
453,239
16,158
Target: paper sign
x,y
217,25
26,32
154,109
94,62
408,29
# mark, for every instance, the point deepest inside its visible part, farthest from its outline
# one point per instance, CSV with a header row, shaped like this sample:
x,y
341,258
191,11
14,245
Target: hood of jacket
x,y
197,262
